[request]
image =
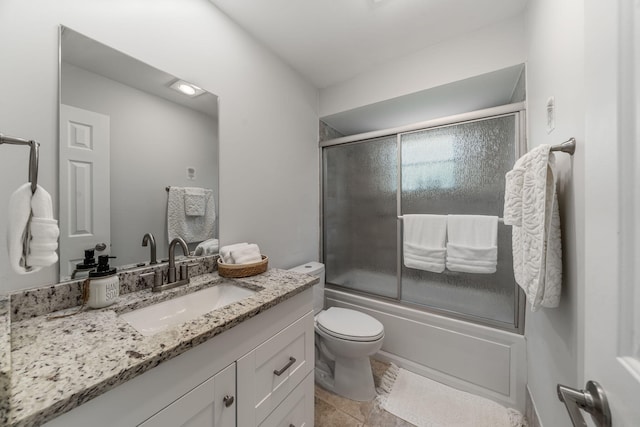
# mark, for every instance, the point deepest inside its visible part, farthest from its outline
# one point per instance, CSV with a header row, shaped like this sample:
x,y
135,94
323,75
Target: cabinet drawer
x,y
297,408
272,370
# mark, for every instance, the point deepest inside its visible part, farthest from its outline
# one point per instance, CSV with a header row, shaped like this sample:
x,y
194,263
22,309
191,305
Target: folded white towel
x,y
19,211
194,201
225,252
424,238
44,229
190,228
471,260
44,241
36,247
537,247
472,245
246,254
423,258
41,251
208,247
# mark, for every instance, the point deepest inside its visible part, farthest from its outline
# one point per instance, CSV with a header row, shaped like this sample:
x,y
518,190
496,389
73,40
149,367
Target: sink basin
x,y
167,314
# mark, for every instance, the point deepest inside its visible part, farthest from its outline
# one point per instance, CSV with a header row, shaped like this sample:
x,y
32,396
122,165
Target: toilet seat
x,y
349,325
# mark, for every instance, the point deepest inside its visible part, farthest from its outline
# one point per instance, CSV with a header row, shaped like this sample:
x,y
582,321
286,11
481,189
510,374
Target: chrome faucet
x,y
172,261
148,238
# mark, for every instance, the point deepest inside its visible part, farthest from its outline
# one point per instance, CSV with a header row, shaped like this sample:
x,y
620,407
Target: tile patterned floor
x,y
335,411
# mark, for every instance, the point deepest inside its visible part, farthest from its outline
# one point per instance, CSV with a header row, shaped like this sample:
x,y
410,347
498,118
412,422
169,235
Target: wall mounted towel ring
x,y
33,156
33,179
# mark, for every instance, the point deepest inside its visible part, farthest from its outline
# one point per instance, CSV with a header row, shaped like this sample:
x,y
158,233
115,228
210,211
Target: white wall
x,y
555,44
153,141
488,49
268,113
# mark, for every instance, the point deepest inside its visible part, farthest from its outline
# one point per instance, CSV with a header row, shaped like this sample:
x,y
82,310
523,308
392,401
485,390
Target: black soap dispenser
x,y
104,284
89,263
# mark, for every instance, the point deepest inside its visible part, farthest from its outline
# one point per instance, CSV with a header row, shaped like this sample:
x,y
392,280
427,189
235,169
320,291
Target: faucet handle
x,y
157,278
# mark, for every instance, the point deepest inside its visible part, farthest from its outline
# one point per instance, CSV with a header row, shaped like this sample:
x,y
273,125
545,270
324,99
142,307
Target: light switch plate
x,y
551,114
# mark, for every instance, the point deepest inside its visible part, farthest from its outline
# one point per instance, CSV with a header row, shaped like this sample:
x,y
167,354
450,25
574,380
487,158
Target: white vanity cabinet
x,y
269,373
193,388
212,403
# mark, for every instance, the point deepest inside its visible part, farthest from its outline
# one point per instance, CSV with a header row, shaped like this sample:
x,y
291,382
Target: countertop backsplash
x,y
35,302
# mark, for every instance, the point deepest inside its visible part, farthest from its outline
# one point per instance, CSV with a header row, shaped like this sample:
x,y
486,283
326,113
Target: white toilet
x,y
344,341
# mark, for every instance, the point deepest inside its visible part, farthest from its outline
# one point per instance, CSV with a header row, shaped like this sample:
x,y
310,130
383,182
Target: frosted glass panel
x,y
359,201
459,169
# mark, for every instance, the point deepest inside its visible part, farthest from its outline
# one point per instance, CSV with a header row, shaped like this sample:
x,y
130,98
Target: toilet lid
x,y
349,324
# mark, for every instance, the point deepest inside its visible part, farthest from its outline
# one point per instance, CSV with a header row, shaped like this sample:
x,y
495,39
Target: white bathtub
x,y
474,358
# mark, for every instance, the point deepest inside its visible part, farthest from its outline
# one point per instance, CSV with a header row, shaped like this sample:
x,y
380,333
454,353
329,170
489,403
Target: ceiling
x,y
331,41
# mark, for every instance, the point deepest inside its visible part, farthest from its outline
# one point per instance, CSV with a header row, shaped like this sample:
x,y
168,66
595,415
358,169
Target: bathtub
x,y
478,359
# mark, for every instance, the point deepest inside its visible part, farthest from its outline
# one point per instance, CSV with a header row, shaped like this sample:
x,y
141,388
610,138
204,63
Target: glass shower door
x,y
360,183
460,169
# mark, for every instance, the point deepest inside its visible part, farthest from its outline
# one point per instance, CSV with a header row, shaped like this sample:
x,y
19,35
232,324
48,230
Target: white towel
x,y
246,254
514,181
43,228
208,247
190,228
195,201
424,238
473,243
225,252
537,248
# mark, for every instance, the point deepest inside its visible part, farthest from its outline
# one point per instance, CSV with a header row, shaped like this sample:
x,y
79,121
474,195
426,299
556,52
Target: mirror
x,y
125,137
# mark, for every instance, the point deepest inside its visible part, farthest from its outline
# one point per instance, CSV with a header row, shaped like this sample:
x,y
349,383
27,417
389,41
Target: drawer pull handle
x,y
291,425
228,401
291,361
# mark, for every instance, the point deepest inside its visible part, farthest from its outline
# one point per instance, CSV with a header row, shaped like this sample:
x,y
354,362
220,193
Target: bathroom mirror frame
x,y
142,160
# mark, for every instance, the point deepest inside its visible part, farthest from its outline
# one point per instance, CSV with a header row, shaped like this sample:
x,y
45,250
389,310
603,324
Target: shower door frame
x,y
515,109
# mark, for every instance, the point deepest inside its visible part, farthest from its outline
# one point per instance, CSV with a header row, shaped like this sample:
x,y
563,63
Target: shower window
x,y
453,169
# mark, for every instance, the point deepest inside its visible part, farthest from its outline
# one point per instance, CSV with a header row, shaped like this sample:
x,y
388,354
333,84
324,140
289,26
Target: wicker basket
x,y
242,270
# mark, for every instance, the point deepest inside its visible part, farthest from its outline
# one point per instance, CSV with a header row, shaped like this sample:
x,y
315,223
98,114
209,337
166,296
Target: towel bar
x,y
400,217
569,146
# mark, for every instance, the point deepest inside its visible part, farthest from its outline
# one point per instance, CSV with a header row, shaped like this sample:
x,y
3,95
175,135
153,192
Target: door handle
x,y
592,400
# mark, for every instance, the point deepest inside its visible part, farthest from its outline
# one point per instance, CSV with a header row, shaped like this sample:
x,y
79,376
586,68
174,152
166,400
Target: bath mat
x,y
427,403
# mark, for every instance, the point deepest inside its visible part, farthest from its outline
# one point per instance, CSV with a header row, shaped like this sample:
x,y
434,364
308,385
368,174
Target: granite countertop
x,y
61,363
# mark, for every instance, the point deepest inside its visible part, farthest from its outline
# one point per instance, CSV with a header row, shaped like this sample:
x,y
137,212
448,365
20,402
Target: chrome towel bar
x,y
569,146
500,220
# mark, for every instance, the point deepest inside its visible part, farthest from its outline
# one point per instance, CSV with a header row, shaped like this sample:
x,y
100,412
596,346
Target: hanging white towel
x,y
424,238
208,247
514,181
473,243
41,250
190,228
537,248
225,252
195,201
246,254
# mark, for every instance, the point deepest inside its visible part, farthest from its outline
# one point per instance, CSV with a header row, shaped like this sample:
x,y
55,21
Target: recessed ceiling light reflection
x,y
186,88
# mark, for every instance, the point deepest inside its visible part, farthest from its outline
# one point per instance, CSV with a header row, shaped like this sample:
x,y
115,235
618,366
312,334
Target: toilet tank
x,y
314,269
